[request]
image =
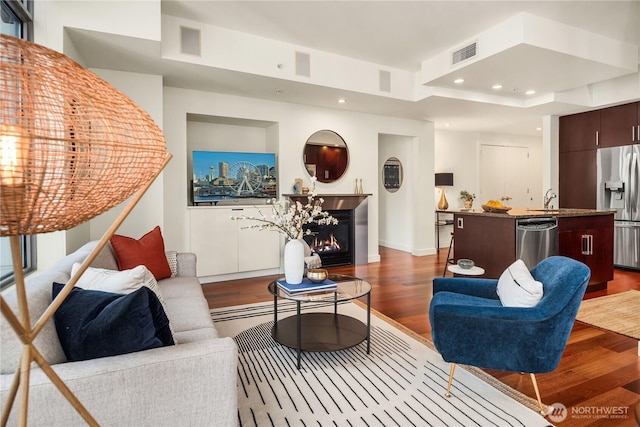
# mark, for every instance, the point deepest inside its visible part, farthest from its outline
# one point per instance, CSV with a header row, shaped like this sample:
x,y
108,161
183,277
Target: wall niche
x,y
217,133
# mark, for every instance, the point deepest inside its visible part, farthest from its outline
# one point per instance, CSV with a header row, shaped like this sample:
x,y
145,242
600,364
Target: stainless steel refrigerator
x,y
618,188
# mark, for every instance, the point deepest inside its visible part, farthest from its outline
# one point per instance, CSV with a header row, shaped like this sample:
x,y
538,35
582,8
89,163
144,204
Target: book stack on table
x,y
307,286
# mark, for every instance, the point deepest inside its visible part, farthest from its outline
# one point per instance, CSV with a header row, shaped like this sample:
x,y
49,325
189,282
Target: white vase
x,y
293,261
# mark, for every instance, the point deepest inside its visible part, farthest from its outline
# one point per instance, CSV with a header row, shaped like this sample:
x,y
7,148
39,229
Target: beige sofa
x,y
192,383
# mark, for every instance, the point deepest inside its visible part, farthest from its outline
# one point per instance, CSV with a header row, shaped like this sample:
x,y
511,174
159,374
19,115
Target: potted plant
x,y
467,198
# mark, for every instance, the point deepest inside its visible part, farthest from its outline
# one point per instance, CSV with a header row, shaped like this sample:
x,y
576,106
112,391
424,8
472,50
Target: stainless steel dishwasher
x,y
536,239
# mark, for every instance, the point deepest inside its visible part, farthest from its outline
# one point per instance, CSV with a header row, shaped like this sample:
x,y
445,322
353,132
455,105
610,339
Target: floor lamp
x,y
443,180
72,147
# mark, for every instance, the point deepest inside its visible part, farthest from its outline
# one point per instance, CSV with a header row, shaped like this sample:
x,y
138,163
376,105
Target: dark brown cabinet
x,y
489,241
589,240
619,125
580,135
579,131
577,179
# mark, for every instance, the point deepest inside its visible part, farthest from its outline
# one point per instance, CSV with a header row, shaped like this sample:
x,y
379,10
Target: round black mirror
x,y
326,156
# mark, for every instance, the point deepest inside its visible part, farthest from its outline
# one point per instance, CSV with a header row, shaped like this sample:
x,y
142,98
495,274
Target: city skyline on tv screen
x,y
219,175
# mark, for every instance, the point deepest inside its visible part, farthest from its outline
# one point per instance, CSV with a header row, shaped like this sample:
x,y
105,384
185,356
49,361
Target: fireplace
x,y
333,243
347,242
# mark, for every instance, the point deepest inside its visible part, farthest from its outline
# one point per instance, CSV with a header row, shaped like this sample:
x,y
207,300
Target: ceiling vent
x,y
190,41
385,80
464,53
303,64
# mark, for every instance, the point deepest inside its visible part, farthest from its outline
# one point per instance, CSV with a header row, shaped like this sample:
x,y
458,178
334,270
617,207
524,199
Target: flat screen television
x,y
225,175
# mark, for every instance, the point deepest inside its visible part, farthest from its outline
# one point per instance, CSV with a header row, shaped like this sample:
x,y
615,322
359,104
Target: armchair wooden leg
x,y
535,387
453,368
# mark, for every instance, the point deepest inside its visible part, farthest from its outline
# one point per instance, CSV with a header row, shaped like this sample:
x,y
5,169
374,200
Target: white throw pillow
x,y
517,288
172,259
120,282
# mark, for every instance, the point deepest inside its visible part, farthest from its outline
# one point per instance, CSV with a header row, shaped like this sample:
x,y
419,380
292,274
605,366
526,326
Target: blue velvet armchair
x,y
470,326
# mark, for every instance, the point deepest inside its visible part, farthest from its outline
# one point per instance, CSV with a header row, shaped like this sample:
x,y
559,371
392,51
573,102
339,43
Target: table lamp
x,y
443,180
72,147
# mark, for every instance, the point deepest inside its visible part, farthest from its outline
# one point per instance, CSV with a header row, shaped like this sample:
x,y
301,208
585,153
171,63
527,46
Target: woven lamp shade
x,y
72,145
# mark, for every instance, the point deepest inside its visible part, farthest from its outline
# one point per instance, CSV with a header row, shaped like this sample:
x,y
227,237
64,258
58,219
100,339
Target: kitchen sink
x,y
546,210
556,211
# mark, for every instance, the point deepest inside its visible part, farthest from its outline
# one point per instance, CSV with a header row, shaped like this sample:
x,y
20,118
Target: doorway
x,y
504,172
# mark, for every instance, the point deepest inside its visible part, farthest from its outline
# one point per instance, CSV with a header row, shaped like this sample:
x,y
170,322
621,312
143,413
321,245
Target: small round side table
x,y
473,271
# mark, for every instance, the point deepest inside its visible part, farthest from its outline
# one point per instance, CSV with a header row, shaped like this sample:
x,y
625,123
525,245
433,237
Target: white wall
x,y
113,17
133,18
225,137
295,123
457,152
166,202
271,58
395,212
211,136
146,91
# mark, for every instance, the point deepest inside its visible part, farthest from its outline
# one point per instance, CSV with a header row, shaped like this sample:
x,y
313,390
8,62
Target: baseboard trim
x,y
423,252
392,245
242,275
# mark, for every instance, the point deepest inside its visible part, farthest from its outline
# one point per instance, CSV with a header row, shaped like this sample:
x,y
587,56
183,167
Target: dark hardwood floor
x,y
599,370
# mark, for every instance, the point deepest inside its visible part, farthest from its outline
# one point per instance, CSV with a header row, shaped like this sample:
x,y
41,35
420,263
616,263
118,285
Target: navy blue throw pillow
x,y
92,324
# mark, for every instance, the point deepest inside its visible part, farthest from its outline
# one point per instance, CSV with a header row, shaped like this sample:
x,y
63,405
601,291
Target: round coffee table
x,y
322,331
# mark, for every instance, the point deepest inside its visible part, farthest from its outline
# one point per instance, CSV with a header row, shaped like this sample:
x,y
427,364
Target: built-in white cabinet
x,y
225,246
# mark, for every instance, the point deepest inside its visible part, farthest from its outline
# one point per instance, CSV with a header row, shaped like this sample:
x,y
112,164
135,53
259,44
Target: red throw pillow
x,y
148,251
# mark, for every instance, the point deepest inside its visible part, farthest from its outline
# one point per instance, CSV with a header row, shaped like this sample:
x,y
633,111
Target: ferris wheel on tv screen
x,y
245,178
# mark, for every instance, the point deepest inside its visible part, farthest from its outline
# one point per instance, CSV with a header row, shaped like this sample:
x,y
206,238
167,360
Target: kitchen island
x,y
493,240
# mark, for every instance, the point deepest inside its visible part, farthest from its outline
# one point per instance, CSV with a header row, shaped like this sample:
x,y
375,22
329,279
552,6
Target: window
x,y
28,249
16,20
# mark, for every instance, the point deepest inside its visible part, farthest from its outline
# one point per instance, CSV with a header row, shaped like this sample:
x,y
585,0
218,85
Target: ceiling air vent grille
x,y
190,41
464,53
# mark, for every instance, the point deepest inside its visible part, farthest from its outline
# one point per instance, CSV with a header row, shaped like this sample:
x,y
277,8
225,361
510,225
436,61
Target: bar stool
x,y
452,266
449,260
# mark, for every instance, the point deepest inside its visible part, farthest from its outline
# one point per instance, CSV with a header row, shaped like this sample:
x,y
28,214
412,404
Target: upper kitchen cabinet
x,y
620,125
579,131
578,180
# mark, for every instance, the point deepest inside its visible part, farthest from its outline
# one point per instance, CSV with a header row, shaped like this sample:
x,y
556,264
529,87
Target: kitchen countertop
x,y
531,212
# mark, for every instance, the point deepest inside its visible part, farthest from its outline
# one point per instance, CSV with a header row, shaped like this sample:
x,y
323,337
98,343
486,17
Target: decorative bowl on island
x,y
495,206
496,209
465,263
317,275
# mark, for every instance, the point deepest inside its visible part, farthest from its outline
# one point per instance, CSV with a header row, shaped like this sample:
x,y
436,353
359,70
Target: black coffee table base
x,y
320,332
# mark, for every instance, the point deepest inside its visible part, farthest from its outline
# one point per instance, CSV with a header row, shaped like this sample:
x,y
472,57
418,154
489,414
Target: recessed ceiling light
x,y
496,87
530,92
538,128
458,81
341,101
447,125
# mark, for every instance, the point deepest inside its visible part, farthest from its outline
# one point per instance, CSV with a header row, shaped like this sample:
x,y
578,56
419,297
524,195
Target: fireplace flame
x,y
329,244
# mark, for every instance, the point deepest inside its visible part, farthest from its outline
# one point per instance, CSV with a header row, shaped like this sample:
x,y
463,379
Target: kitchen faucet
x,y
548,196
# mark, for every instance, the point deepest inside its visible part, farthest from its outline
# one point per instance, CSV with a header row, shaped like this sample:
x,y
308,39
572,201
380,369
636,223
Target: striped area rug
x,y
400,383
